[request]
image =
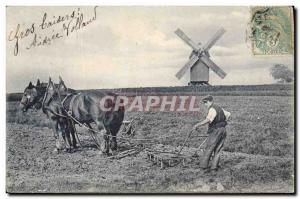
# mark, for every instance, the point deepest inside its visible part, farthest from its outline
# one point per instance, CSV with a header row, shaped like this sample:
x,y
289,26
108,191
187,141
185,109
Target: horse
x,y
34,97
85,108
61,123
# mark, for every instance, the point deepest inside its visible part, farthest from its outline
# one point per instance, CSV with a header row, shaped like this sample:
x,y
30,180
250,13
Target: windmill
x,y
199,62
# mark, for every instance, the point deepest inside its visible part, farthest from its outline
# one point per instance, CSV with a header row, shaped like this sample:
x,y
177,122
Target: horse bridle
x,y
39,98
36,100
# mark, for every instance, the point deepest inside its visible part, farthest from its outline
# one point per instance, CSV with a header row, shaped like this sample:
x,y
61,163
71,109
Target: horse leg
x,y
66,135
71,128
54,124
113,130
113,127
100,127
113,140
106,143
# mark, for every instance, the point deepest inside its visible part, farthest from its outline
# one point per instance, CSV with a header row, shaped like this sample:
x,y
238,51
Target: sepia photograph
x,y
150,99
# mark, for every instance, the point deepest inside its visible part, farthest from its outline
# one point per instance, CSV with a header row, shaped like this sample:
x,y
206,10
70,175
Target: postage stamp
x,y
272,30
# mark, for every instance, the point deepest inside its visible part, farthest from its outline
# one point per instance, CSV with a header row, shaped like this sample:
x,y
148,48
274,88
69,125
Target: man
x,y
217,121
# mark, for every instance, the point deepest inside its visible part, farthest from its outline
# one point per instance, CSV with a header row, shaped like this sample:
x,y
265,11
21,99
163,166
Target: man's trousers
x,y
214,146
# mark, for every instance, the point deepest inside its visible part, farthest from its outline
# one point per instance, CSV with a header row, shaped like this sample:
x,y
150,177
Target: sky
x,y
130,47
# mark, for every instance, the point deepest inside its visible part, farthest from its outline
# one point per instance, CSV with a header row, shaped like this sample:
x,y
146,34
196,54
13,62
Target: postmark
x,y
271,30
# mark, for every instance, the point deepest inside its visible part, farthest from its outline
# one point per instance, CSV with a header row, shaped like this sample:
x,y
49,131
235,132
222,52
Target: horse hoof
x,y
56,151
69,150
105,154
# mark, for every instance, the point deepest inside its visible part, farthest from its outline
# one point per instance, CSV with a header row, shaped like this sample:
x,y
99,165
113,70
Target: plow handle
x,y
190,133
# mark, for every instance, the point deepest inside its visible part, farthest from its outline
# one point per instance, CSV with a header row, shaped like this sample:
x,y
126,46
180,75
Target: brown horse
x,y
61,123
57,101
85,108
34,97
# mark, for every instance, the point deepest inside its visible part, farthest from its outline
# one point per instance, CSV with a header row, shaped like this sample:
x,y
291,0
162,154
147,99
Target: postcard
x,y
150,99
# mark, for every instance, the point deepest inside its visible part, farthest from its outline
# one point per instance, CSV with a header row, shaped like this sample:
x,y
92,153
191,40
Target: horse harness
x,y
67,106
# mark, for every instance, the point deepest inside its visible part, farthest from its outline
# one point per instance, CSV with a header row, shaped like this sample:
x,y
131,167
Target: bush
x,y
282,73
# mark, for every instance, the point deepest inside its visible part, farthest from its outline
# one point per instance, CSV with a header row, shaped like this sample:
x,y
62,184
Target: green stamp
x,y
272,30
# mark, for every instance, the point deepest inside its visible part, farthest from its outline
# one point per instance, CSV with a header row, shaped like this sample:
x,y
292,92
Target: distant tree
x,y
282,73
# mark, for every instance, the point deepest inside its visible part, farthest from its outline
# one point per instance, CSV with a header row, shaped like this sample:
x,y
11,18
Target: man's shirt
x,y
212,113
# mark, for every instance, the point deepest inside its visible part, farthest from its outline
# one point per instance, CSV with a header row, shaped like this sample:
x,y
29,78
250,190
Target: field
x,y
258,155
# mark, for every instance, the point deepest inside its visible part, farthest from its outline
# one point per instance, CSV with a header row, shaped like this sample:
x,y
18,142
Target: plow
x,y
159,154
170,156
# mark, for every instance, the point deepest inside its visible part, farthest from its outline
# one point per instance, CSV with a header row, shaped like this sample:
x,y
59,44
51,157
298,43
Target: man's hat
x,y
207,98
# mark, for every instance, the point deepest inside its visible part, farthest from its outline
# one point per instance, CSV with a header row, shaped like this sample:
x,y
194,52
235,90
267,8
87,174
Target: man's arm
x,y
205,121
210,117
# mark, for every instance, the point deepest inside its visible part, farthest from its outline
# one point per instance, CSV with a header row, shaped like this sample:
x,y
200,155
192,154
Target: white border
x,y
3,194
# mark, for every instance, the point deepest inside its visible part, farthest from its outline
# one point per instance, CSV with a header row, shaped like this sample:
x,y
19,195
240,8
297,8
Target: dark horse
x,y
83,108
35,97
87,107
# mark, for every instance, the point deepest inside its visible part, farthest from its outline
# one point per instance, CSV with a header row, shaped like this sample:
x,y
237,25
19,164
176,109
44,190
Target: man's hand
x,y
195,126
205,121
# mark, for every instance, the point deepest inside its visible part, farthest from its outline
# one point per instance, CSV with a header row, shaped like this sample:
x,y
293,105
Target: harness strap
x,y
55,113
68,111
63,101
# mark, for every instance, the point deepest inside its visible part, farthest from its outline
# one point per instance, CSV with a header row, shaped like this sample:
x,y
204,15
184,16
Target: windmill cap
x,y
207,98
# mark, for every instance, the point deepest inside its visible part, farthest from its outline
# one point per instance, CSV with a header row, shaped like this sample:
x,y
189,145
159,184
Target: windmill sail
x,y
203,55
214,39
213,66
187,66
186,39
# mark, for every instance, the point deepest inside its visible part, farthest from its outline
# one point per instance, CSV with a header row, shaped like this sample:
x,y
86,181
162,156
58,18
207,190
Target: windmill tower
x,y
199,62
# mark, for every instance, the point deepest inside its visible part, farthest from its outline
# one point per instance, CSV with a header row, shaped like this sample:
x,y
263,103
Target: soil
x,y
34,167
